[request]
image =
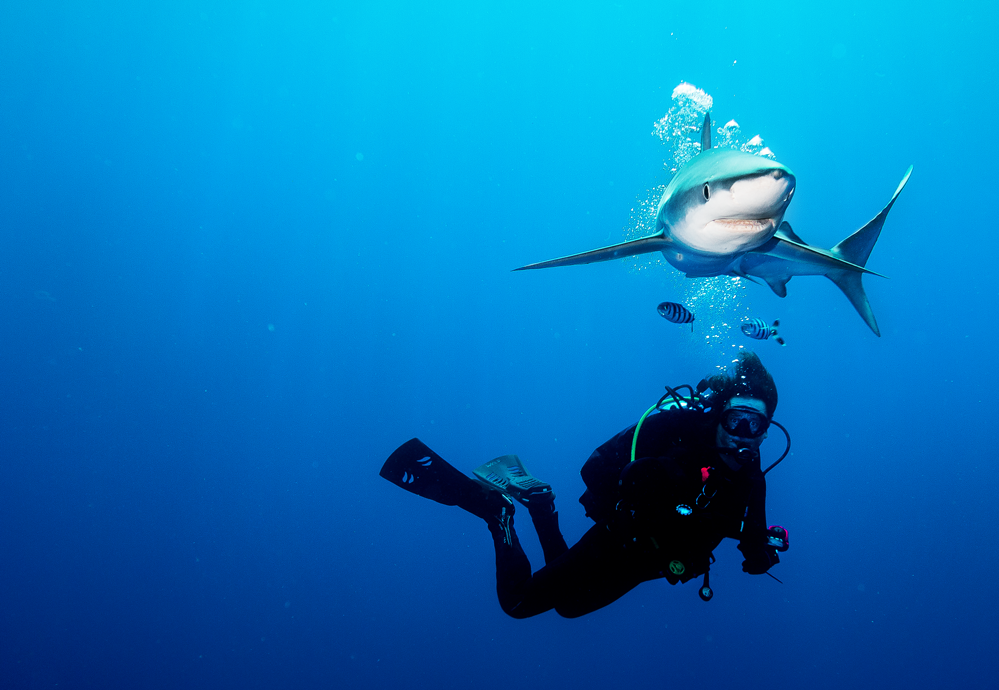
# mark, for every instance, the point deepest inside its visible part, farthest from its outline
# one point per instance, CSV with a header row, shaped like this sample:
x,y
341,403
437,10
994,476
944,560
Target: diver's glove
x,y
760,563
760,558
777,537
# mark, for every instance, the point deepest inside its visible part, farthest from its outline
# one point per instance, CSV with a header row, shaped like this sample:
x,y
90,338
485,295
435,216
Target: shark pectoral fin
x,y
857,247
644,245
797,251
778,284
849,283
773,270
785,232
744,276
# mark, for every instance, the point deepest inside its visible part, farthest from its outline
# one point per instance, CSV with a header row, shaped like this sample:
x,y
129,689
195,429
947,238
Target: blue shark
x,y
723,214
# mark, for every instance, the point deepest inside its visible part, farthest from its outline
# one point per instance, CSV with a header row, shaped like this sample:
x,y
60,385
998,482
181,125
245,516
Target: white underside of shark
x,y
723,214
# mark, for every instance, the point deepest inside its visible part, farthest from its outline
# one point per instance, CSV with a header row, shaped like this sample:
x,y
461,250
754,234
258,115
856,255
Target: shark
x,y
723,214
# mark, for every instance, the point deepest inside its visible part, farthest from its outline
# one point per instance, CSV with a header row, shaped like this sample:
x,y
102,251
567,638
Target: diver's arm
x,y
659,435
600,473
760,555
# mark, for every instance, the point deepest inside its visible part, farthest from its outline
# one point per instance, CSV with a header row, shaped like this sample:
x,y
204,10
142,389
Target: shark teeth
x,y
750,224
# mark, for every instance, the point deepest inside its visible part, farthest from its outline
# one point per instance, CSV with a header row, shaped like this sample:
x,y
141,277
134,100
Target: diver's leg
x,y
596,571
419,470
513,569
508,474
599,573
545,519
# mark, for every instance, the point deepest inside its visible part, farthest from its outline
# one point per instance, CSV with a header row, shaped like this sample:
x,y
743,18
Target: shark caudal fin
x,y
643,245
856,249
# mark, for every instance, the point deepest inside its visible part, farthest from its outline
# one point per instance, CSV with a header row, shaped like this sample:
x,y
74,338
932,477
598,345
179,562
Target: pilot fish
x,y
676,313
759,330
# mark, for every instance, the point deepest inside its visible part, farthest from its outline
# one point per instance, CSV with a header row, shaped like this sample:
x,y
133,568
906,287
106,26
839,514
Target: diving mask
x,y
744,422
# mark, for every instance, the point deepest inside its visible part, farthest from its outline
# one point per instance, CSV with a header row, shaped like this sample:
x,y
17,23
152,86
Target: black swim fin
x,y
417,469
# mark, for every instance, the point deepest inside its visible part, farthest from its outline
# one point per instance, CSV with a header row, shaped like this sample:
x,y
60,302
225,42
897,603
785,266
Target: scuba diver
x,y
663,494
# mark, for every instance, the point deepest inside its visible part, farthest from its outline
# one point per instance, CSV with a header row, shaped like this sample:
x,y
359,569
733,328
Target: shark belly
x,y
716,247
697,264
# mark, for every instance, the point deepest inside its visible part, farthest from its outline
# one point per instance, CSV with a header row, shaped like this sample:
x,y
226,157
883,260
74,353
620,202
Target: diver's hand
x,y
759,564
777,537
761,557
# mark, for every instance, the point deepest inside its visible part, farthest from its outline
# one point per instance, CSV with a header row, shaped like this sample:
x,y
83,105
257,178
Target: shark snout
x,y
786,178
761,196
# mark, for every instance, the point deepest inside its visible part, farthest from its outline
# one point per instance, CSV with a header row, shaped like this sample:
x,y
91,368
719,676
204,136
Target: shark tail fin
x,y
849,283
857,249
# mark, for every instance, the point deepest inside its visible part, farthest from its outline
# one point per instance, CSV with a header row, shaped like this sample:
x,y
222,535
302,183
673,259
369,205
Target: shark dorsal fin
x,y
706,133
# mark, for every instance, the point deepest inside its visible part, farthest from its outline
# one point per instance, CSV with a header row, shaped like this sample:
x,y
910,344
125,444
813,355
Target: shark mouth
x,y
732,235
748,225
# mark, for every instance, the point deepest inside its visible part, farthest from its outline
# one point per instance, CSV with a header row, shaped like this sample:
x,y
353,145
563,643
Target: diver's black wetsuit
x,y
660,516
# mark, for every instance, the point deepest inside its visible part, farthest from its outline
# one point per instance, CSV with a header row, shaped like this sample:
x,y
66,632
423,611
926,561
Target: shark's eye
x,y
707,192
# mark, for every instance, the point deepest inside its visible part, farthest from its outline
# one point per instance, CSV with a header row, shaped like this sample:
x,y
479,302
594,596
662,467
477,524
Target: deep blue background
x,y
247,249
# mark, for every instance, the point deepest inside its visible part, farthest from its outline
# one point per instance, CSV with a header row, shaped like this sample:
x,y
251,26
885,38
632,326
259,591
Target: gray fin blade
x,y
791,250
744,276
508,474
857,247
850,283
778,284
644,245
706,133
785,232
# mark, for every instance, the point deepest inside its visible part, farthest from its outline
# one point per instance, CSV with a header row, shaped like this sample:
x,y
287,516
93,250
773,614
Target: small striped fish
x,y
759,330
676,313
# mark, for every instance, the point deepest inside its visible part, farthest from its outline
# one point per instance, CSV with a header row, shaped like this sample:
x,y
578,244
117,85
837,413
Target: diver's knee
x,y
570,612
517,612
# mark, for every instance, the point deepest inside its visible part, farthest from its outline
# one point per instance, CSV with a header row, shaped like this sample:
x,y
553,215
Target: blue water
x,y
247,249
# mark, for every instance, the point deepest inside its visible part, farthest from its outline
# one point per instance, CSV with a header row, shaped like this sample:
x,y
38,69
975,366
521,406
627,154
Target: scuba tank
x,y
696,401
